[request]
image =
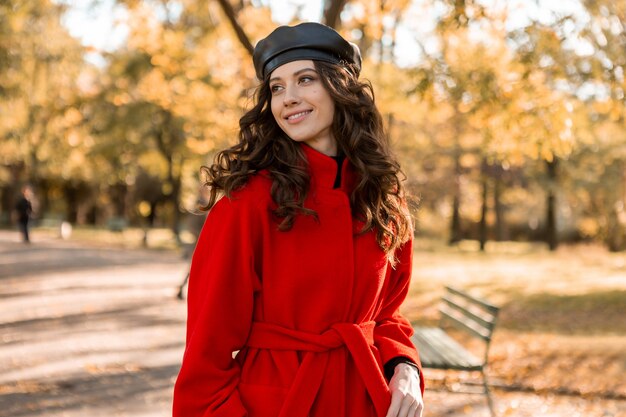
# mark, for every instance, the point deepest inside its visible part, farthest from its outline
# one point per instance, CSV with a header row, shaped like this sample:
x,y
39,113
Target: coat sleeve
x,y
393,331
222,284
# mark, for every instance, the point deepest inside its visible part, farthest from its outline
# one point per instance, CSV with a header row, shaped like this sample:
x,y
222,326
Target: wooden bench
x,y
440,351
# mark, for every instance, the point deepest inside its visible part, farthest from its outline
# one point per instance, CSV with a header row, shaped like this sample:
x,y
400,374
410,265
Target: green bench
x,y
117,224
440,351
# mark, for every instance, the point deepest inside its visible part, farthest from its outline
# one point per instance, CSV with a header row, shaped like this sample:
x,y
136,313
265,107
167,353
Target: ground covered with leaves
x,y
561,328
92,326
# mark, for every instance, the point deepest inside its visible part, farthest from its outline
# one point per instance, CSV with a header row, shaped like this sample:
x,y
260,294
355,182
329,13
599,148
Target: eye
x,y
275,88
306,79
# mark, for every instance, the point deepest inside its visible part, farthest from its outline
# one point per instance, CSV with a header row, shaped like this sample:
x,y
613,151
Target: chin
x,y
299,138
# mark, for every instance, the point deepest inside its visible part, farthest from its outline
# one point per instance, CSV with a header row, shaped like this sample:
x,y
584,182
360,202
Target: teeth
x,y
293,116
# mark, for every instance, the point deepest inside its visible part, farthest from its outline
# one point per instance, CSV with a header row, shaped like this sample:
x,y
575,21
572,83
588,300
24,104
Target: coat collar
x,y
323,170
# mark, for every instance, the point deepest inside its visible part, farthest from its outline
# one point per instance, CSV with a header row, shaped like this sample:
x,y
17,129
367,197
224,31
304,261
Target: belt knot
x,y
358,340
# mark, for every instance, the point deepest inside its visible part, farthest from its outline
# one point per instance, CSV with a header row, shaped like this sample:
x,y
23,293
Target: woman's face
x,y
301,105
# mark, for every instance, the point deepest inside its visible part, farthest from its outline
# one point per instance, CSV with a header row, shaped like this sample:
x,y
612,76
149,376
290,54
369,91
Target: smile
x,y
299,115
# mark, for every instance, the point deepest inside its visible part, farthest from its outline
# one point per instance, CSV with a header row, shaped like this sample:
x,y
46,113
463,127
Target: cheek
x,y
330,112
275,107
328,105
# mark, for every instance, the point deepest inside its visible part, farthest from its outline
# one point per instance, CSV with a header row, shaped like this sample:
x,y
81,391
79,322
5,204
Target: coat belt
x,y
357,338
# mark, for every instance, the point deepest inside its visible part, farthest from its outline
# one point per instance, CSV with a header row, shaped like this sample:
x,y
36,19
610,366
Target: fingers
x,y
406,397
404,406
419,409
409,405
396,403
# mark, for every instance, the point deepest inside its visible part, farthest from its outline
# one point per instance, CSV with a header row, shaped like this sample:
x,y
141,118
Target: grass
x,y
130,237
595,313
561,326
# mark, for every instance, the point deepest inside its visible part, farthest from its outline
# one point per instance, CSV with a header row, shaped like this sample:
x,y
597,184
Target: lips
x,y
297,116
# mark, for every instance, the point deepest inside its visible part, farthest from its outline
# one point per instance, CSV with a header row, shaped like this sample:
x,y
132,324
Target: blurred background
x,y
508,117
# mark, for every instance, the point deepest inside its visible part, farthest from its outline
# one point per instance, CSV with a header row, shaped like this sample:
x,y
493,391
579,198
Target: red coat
x,y
313,311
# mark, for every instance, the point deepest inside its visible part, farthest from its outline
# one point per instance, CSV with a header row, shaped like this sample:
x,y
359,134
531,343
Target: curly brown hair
x,y
378,198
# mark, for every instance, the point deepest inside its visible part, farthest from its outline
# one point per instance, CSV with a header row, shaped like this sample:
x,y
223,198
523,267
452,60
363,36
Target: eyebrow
x,y
295,73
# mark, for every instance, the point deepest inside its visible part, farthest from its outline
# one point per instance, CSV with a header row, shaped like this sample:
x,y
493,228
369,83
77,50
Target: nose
x,y
291,96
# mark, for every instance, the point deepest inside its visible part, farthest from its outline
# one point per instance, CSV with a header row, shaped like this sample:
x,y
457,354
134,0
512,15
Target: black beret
x,y
304,41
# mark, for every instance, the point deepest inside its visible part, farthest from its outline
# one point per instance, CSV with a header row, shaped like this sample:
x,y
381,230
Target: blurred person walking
x,y
24,210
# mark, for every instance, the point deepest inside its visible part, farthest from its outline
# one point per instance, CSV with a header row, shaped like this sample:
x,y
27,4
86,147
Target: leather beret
x,y
304,41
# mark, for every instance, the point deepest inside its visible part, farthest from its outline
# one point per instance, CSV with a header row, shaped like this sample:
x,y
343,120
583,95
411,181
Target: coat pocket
x,y
262,400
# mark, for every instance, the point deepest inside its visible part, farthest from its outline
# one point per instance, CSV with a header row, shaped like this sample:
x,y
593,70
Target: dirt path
x,y
96,332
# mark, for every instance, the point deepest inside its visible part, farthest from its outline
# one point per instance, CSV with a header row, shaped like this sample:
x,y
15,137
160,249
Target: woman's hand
x,y
406,396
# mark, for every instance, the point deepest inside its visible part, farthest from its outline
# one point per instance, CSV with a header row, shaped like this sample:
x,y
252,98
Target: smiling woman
x,y
302,107
302,266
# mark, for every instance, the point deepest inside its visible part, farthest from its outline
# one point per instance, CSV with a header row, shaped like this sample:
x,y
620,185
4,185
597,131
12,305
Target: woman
x,y
300,269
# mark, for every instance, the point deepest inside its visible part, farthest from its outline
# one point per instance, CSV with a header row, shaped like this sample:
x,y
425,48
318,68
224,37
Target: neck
x,y
327,147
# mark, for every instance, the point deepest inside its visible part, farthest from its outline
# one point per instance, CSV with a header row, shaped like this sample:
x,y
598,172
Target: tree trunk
x,y
174,179
176,187
71,200
499,226
498,209
168,138
151,220
551,230
455,224
42,196
118,193
332,12
616,224
153,214
7,203
10,191
232,18
483,214
615,236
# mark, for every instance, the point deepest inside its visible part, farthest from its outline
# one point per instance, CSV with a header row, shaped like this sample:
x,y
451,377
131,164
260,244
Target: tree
x,y
170,96
602,72
39,74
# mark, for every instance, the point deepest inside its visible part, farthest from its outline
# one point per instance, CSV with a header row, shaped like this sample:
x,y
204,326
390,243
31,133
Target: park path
x,y
90,331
